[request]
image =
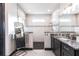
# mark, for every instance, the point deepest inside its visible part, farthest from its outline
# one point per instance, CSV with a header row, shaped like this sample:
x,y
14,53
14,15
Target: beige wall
x,y
10,9
38,28
69,17
77,19
10,18
66,25
21,15
30,25
30,17
76,29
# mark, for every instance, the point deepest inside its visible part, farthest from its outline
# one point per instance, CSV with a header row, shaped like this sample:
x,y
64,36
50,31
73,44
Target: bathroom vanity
x,y
63,46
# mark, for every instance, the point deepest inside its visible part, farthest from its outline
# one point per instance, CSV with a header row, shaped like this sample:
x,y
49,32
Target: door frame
x,y
2,29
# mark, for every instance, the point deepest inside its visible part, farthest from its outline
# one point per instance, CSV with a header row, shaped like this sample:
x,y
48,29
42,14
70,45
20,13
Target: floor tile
x,y
34,53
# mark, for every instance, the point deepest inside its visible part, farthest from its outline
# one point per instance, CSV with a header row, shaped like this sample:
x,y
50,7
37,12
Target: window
x,y
38,20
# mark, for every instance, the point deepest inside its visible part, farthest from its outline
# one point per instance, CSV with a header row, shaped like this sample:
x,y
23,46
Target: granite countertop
x,y
72,43
28,32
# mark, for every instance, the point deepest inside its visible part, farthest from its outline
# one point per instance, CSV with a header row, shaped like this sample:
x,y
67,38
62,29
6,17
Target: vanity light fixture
x,y
49,10
38,20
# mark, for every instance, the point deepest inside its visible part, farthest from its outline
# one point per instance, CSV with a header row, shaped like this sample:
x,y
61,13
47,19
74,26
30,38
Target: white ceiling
x,y
40,8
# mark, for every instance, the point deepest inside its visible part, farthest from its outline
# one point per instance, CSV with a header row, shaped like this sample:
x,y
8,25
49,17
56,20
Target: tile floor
x,y
34,53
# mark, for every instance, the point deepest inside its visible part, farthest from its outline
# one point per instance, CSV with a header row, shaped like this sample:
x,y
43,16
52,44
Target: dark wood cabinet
x,y
20,42
65,53
52,42
69,51
62,49
57,47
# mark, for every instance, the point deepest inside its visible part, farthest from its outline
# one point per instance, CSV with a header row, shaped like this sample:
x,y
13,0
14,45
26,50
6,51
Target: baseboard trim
x,y
48,49
26,49
13,52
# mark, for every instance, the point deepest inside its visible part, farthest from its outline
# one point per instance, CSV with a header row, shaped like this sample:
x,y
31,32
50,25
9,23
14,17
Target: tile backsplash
x,y
69,35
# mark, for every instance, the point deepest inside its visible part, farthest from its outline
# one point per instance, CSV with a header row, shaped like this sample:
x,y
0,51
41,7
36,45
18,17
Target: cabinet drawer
x,y
66,53
67,48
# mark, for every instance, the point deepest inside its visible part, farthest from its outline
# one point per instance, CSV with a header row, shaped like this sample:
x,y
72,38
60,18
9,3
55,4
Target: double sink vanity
x,y
64,45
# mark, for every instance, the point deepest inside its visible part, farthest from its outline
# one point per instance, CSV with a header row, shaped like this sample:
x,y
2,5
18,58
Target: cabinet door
x,y
47,40
67,50
52,42
57,47
20,42
64,53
